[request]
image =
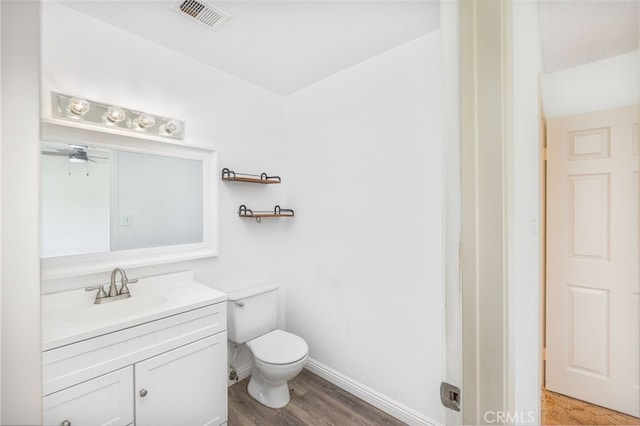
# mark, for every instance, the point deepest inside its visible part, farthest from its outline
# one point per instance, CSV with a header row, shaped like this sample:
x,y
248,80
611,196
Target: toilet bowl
x,y
278,357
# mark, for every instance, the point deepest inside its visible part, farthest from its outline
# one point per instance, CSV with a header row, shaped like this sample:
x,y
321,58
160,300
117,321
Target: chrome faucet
x,y
114,293
113,289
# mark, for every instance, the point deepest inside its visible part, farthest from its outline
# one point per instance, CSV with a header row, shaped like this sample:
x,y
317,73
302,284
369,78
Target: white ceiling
x,y
282,46
577,32
286,45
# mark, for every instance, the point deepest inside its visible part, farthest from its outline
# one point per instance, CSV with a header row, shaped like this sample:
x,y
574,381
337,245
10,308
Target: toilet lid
x,y
278,347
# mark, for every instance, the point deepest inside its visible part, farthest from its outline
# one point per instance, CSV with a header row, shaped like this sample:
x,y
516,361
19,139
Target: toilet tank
x,y
251,312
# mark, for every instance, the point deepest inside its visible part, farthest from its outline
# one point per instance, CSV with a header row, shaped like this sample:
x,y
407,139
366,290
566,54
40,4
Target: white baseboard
x,y
375,398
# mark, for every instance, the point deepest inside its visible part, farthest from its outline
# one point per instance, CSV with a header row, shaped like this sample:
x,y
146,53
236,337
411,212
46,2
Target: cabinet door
x,y
185,386
105,400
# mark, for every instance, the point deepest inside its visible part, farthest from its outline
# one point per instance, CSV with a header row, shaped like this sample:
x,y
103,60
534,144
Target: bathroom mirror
x,y
110,199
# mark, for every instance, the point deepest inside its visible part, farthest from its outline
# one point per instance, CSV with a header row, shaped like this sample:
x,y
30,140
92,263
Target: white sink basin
x,y
116,309
71,316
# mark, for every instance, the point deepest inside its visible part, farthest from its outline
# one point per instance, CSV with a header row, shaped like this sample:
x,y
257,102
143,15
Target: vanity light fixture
x,y
107,115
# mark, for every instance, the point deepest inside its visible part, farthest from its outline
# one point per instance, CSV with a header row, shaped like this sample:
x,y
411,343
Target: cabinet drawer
x,y
72,364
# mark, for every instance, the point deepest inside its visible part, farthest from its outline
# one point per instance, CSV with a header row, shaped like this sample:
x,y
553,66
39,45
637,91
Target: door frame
x,y
500,125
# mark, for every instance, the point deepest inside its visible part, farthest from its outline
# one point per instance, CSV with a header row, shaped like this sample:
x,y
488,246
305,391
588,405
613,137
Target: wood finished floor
x,y
314,401
558,409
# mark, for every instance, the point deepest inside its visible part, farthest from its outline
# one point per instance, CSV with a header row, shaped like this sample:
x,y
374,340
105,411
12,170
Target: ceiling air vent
x,y
202,12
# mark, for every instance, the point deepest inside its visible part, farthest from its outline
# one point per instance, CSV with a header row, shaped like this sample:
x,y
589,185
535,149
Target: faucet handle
x,y
101,293
123,288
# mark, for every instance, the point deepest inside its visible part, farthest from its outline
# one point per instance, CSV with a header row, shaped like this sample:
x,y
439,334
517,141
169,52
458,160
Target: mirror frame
x,y
62,131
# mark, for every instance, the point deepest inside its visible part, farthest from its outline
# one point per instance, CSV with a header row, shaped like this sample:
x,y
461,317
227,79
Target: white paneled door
x,y
593,279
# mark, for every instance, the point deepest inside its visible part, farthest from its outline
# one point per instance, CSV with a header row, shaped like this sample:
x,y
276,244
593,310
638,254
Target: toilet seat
x,y
278,347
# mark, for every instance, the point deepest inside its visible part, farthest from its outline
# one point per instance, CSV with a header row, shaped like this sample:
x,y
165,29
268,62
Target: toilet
x,y
278,356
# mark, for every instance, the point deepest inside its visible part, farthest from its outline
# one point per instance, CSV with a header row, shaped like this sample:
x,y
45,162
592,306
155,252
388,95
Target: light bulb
x,y
77,107
114,115
144,121
171,127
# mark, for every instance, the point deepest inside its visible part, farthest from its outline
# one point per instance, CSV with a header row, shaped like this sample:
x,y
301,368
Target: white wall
x,y
365,263
241,121
21,377
606,84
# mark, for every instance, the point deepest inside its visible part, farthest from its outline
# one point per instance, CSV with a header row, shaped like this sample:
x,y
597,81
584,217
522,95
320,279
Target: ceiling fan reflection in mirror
x,y
75,154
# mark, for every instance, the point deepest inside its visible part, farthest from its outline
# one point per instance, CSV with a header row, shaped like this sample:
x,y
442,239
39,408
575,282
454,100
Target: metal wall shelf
x,y
243,211
263,178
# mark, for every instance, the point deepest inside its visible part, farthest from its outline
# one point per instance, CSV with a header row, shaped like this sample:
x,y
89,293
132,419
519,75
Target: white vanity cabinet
x,y
167,371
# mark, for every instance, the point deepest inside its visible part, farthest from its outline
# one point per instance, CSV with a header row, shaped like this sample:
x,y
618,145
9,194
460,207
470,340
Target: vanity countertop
x,y
71,316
